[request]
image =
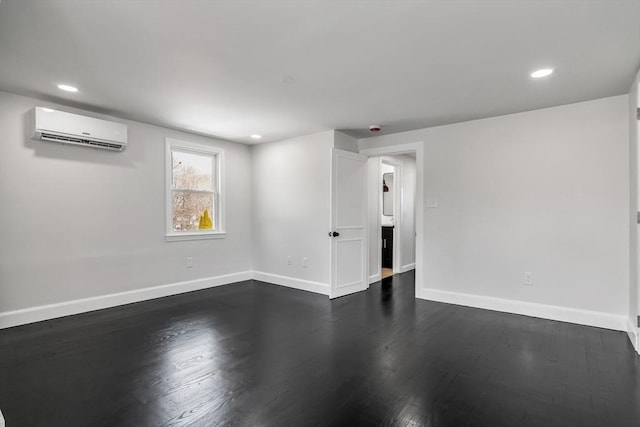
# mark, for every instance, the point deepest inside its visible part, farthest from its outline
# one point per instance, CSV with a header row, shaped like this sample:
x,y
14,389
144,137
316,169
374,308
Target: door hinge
x,y
638,112
638,218
638,321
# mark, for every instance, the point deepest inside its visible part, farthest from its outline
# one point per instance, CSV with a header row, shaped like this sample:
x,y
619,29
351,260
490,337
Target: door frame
x,y
419,202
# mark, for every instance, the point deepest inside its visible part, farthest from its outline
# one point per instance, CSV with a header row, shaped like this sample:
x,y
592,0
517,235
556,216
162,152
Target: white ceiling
x,y
283,68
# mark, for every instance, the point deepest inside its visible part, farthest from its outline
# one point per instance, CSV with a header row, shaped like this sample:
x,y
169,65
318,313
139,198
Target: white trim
x,y
344,291
390,149
419,216
67,308
374,278
408,267
634,335
552,312
378,239
292,282
203,235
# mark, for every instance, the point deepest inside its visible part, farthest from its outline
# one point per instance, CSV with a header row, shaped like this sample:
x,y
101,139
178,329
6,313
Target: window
x,y
195,206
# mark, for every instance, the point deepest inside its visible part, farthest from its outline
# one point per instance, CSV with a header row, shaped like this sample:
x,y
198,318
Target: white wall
x,y
544,191
291,189
634,293
345,142
78,222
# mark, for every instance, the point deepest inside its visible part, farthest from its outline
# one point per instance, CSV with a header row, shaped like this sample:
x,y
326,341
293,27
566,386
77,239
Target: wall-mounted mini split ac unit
x,y
67,128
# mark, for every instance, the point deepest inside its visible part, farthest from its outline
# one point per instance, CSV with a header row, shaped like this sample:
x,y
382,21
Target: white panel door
x,y
349,260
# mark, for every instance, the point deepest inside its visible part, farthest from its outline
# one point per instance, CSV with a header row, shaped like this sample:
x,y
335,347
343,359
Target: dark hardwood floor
x,y
253,354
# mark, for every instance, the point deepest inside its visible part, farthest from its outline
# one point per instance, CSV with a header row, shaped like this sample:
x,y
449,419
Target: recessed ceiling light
x,y
47,110
68,88
256,136
542,73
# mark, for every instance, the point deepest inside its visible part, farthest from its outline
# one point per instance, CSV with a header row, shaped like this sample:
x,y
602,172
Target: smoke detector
x,y
375,128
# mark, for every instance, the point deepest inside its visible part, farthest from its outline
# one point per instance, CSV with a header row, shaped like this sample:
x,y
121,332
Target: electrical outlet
x,y
289,260
189,262
432,203
528,278
305,262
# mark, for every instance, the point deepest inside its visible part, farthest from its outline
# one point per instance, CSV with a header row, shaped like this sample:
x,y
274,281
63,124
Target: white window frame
x,y
218,191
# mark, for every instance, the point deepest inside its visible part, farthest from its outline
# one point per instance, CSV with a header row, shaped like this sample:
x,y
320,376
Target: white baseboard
x,y
634,335
292,282
374,278
408,267
67,308
552,312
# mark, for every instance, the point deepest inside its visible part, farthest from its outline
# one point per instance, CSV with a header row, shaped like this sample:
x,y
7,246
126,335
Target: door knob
x,y
333,234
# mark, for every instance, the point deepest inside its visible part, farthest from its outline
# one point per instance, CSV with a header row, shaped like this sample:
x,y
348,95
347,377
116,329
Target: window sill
x,y
180,237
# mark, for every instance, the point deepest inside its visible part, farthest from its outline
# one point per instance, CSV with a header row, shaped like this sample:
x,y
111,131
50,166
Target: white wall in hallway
x,y
544,191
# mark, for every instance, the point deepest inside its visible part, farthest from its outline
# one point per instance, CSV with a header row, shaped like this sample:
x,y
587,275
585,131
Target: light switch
x,y
432,203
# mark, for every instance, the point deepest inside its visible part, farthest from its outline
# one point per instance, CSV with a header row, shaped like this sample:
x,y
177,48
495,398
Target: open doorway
x,y
392,214
413,149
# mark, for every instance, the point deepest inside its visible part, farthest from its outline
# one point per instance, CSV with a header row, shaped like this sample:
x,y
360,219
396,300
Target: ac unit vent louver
x,y
78,141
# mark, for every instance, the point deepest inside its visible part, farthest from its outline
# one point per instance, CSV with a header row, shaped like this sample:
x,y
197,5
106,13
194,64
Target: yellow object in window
x,y
205,221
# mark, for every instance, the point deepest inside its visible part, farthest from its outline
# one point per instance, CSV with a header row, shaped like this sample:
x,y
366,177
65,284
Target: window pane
x,y
189,211
192,171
